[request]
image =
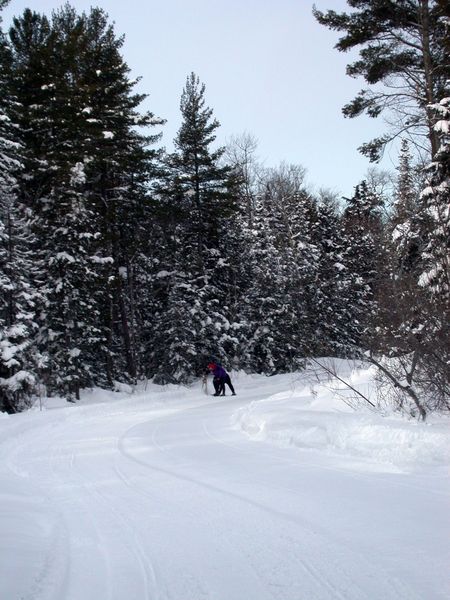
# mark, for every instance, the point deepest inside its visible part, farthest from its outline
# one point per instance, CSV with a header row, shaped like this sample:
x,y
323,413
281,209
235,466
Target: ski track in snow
x,y
313,573
167,501
100,507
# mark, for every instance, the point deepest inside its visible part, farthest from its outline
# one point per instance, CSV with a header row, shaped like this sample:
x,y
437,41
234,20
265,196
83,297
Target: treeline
x,y
121,261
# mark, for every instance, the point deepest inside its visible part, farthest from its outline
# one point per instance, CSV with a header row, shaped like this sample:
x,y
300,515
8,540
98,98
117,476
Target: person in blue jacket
x,y
221,378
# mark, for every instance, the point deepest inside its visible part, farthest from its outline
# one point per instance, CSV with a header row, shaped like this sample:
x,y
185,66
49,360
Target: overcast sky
x,y
269,68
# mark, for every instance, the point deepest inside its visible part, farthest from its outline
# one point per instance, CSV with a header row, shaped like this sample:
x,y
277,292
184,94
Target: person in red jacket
x,y
221,378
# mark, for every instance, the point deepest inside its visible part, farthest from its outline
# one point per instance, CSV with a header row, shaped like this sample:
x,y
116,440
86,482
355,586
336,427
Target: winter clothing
x,y
221,378
219,372
217,383
227,381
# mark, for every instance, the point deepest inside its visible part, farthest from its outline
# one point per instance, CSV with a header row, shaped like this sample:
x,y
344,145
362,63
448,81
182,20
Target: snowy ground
x,y
280,493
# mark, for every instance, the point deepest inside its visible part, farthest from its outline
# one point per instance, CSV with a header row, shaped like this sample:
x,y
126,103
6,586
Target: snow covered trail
x,y
157,496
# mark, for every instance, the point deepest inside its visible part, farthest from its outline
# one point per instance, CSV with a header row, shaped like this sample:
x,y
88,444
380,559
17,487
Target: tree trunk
x,y
118,290
132,303
424,20
131,364
109,360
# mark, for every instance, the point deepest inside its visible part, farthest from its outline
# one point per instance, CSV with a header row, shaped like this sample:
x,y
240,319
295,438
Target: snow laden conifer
x,y
53,186
278,307
434,264
403,238
18,297
87,166
399,299
362,231
119,167
333,301
435,212
397,339
32,84
196,191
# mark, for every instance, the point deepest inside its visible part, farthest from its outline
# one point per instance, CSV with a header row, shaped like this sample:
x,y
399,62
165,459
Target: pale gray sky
x,y
269,68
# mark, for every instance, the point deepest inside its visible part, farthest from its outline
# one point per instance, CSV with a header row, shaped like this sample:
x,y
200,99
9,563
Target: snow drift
x,y
317,417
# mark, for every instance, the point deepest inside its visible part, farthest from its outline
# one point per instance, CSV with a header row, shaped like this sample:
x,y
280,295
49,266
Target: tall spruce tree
x,y
31,44
86,170
62,219
335,305
119,169
400,300
363,235
279,307
197,192
18,297
404,239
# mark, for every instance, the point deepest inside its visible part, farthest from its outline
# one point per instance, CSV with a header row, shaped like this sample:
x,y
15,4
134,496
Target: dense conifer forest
x,y
121,261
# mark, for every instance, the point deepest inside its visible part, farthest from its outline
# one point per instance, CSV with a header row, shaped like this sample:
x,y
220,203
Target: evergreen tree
x,y
197,171
434,267
62,219
197,193
434,208
399,299
362,257
402,46
120,166
89,167
18,297
404,214
279,311
335,303
32,84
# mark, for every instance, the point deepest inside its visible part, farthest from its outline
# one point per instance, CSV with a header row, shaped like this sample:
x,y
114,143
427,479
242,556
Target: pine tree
x,y
197,193
265,309
31,44
119,168
401,280
53,187
18,297
86,173
402,47
198,174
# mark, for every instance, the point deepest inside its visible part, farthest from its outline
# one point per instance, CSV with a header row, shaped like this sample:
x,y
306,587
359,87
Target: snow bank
x,y
317,418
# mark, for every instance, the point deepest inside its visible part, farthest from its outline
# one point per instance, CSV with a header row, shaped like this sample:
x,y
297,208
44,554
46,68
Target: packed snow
x,y
295,489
